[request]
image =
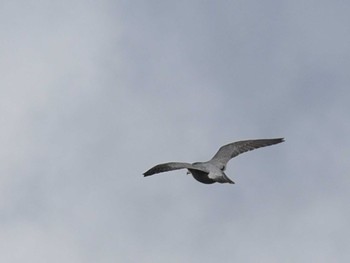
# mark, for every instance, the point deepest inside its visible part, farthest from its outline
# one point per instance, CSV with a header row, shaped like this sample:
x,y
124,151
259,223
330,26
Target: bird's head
x,y
196,163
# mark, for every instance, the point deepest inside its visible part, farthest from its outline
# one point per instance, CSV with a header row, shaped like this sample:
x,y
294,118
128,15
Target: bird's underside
x,y
212,171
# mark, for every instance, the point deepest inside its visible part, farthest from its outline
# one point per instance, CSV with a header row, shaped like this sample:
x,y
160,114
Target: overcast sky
x,y
94,93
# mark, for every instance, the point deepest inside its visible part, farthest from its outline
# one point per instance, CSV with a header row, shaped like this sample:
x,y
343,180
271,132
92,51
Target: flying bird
x,y
212,171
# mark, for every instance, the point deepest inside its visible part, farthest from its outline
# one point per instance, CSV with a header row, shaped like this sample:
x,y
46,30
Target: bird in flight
x,y
213,171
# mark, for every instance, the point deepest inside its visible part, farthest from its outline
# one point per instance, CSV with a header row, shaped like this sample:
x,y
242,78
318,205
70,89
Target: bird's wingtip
x,y
280,139
148,173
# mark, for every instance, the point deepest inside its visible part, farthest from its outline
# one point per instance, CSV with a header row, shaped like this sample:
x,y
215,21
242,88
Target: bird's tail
x,y
228,180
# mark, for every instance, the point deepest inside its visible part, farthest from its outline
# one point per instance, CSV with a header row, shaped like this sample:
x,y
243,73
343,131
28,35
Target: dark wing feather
x,y
165,167
227,152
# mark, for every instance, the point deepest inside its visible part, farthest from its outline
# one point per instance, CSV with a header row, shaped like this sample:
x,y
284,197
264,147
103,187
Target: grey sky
x,y
92,94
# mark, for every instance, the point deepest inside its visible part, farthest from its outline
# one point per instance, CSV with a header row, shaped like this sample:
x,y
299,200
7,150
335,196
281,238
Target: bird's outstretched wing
x,y
227,152
165,167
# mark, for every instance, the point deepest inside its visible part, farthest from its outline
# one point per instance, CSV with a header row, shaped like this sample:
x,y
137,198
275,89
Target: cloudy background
x,y
94,93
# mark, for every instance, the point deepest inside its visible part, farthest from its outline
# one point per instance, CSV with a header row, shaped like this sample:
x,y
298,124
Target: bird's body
x,y
212,171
